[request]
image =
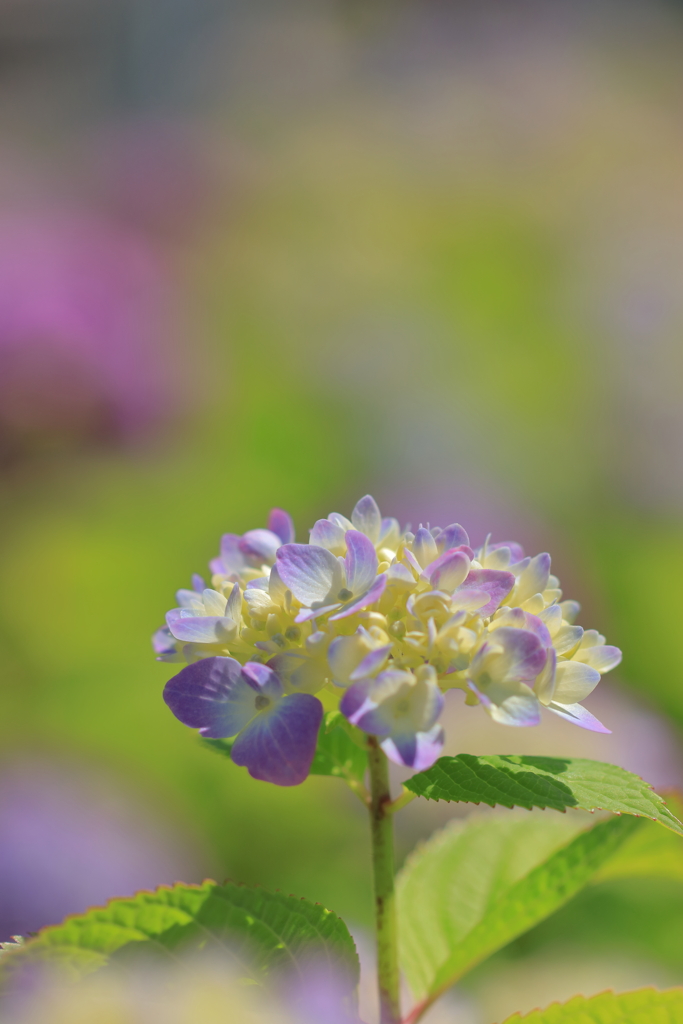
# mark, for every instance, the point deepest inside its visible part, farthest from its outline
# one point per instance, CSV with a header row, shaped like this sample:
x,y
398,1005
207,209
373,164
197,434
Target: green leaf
x,y
221,747
644,1006
259,931
559,783
337,754
651,852
477,885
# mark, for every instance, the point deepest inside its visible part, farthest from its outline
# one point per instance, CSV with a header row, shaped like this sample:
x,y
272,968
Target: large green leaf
x,y
259,931
644,1006
337,753
559,783
651,852
477,885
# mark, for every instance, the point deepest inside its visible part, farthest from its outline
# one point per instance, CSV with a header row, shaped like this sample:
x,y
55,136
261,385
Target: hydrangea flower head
x,y
380,622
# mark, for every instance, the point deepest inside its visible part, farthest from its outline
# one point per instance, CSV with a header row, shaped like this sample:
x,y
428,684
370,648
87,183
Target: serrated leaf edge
x,y
518,1018
563,810
207,882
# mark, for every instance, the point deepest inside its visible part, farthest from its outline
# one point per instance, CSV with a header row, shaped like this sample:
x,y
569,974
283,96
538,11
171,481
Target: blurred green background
x,y
427,250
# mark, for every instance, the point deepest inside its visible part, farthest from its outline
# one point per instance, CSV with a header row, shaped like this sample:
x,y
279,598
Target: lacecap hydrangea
x,y
378,622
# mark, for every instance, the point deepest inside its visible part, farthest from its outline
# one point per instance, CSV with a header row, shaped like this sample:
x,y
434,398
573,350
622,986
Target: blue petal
x,y
278,745
213,696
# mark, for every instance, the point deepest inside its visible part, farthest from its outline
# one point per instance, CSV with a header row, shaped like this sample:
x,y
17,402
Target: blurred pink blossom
x,y
84,331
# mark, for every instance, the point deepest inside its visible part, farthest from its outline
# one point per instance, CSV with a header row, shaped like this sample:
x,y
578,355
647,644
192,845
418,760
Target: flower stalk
x,y
382,834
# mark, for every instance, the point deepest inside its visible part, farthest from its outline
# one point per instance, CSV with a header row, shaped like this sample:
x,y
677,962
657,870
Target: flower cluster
x,y
378,622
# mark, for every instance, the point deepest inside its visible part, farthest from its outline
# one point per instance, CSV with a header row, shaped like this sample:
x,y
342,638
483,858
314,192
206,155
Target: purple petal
x,y
494,582
278,745
403,747
448,571
306,614
326,534
419,754
452,537
163,641
311,573
520,619
231,559
262,583
537,626
578,715
263,678
354,698
189,599
525,653
213,696
370,663
366,518
602,657
200,629
516,550
198,583
361,562
280,523
260,545
373,594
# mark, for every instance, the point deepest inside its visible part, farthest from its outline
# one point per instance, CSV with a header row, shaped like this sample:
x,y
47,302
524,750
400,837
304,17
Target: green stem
x,y
382,831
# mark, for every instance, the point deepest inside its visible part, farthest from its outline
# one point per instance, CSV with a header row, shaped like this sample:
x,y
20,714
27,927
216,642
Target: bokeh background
x,y
257,254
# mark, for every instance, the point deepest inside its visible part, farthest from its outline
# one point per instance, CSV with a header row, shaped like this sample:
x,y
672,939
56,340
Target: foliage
x,y
261,932
644,1006
475,887
553,782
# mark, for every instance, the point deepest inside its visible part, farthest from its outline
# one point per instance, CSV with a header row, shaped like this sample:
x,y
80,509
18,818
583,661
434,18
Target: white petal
x,y
602,657
534,579
574,681
214,603
566,638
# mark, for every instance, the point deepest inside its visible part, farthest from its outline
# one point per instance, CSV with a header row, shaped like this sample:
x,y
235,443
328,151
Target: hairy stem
x,y
382,830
